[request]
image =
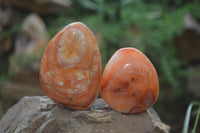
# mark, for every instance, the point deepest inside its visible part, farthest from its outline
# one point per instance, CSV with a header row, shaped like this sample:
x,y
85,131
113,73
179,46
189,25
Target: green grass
x,y
188,117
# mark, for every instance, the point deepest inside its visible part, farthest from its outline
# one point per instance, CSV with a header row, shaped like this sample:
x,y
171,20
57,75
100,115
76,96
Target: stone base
x,y
41,115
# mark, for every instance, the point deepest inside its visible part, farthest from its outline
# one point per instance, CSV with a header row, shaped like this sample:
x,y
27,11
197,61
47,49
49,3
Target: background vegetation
x,y
148,25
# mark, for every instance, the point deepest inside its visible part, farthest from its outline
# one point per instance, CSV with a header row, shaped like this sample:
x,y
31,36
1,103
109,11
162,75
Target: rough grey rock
x,y
41,115
25,61
30,44
32,37
3,107
191,23
40,6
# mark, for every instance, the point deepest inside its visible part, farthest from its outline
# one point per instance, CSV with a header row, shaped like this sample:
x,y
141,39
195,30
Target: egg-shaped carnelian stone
x,y
129,83
70,70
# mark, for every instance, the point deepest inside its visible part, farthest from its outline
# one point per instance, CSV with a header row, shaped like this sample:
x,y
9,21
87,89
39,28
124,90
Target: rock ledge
x,y
41,115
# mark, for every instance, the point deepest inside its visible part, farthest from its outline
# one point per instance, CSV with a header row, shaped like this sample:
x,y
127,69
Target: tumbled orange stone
x,y
70,69
129,83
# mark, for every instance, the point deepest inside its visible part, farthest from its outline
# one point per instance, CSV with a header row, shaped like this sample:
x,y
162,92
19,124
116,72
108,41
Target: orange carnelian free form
x,y
129,83
70,70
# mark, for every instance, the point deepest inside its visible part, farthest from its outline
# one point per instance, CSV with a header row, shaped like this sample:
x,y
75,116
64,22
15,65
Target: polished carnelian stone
x,y
70,70
129,83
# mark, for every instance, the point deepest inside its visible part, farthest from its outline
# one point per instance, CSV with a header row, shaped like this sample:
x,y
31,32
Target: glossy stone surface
x,y
129,83
70,69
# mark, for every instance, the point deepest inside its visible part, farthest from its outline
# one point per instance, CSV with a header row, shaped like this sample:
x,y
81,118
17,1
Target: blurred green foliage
x,y
4,56
13,29
148,25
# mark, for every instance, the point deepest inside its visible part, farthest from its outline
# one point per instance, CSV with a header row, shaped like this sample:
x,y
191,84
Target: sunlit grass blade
x,y
187,118
196,121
